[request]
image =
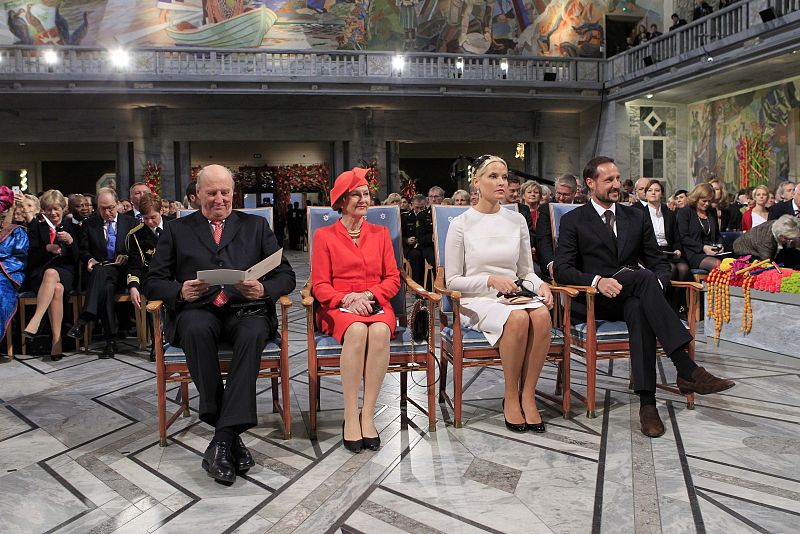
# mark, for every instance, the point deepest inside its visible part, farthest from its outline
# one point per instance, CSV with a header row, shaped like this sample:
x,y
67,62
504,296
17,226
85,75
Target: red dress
x,y
339,267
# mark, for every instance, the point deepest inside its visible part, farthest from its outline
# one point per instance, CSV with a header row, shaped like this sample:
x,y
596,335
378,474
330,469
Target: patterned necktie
x,y
609,217
111,243
221,297
139,217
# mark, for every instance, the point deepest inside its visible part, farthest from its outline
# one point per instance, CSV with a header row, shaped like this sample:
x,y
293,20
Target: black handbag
x,y
420,321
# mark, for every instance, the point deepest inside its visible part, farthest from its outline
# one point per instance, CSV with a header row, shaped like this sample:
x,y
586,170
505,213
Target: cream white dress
x,y
479,245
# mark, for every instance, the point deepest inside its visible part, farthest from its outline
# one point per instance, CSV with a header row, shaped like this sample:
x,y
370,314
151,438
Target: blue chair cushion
x,y
607,330
176,355
401,343
474,339
699,271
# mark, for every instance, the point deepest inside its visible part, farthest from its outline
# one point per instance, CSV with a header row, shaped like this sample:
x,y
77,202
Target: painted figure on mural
x,y
42,22
408,21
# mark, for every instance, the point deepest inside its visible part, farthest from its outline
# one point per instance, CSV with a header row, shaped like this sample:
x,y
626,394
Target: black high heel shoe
x,y
519,428
372,444
353,446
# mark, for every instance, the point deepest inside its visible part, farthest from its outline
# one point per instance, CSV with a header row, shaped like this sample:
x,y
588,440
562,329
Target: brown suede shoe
x,y
703,383
652,427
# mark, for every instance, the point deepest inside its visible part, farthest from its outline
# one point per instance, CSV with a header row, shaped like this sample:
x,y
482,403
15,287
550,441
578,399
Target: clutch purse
x,y
523,295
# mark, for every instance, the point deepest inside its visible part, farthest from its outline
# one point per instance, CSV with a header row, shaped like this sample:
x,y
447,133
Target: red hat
x,y
347,181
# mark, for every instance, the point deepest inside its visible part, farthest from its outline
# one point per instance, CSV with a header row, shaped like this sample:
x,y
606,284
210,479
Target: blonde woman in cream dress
x,y
487,249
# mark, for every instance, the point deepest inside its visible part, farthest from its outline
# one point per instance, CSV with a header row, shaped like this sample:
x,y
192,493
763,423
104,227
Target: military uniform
x,y
141,245
419,225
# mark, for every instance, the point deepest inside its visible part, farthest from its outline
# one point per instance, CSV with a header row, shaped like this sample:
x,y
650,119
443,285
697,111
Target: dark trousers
x,y
200,332
416,258
644,308
100,291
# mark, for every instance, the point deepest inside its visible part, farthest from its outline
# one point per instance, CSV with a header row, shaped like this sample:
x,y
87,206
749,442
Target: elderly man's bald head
x,y
215,192
641,188
214,172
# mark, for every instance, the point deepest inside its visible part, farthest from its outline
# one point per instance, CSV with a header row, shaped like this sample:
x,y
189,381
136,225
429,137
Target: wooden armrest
x,y
688,285
306,290
438,286
285,301
569,291
589,290
153,306
308,301
418,289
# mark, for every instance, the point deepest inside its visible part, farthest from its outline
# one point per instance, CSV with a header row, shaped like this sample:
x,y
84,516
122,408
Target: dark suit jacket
x,y
526,212
140,245
39,259
586,248
692,235
187,246
781,208
543,239
93,240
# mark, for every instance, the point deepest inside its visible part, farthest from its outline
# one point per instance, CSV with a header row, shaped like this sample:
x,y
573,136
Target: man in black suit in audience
x,y
566,187
788,255
102,250
199,317
512,197
601,244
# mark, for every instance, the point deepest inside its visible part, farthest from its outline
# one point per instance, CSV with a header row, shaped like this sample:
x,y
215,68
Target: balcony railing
x,y
696,37
263,65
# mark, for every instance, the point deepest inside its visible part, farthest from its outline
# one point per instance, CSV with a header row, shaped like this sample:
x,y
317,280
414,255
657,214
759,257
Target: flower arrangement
x,y
753,155
289,178
152,176
373,174
408,185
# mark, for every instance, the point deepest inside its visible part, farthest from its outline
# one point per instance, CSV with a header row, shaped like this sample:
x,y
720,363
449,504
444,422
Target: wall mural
x,y
715,129
572,28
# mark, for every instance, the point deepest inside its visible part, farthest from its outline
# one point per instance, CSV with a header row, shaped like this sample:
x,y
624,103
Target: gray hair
x,y
567,180
786,227
107,191
461,193
420,197
436,189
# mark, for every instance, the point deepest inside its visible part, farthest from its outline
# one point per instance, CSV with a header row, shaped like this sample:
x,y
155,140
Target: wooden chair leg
x,y
161,392
458,374
313,401
558,378
431,391
22,322
9,344
591,381
404,391
185,398
442,376
287,399
87,337
566,386
276,405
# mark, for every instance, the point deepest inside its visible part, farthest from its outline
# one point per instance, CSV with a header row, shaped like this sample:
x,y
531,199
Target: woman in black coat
x,y
665,225
52,257
699,229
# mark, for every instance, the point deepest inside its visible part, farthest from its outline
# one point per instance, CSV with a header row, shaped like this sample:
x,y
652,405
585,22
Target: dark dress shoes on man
x,y
78,329
242,459
218,463
109,350
56,357
703,383
652,427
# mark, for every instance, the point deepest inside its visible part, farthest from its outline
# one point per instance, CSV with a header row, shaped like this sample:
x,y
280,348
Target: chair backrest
x,y
388,216
442,216
727,239
556,212
265,212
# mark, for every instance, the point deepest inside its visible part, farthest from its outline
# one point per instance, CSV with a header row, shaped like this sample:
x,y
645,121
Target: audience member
x,y
435,195
531,193
677,22
595,245
728,216
102,252
349,297
512,197
699,230
627,186
418,234
654,31
13,254
640,190
641,35
701,9
785,191
770,200
566,188
547,195
461,198
474,195
404,204
136,192
80,207
200,317
487,253
447,202
52,257
32,207
759,213
191,195
787,207
125,206
680,198
392,200
771,239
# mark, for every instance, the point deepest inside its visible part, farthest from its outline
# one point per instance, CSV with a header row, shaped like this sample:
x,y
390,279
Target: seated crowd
x,y
90,244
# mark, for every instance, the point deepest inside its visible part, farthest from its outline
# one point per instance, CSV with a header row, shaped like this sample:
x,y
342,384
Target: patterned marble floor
x,y
79,453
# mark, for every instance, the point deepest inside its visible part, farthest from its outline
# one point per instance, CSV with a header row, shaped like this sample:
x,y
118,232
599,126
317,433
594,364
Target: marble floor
x,y
79,453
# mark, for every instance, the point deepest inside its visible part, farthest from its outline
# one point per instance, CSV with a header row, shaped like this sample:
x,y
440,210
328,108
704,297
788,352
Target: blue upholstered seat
x,y
473,339
176,355
607,330
556,212
701,272
402,343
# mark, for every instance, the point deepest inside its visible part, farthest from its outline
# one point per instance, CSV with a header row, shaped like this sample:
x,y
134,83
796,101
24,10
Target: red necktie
x,y
221,297
52,235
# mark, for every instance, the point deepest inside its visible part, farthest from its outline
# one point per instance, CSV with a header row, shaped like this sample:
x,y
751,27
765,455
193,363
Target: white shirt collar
x,y
112,221
601,210
656,211
795,207
644,202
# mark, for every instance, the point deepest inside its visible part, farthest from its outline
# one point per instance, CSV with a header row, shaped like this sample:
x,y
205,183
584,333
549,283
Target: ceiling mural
x,y
573,28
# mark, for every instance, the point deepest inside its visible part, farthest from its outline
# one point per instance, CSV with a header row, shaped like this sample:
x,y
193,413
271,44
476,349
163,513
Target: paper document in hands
x,y
218,277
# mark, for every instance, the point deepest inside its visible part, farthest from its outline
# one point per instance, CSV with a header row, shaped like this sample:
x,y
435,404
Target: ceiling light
x,y
649,96
119,57
50,57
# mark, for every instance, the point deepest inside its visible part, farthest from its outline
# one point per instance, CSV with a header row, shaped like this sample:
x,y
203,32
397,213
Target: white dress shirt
x,y
658,225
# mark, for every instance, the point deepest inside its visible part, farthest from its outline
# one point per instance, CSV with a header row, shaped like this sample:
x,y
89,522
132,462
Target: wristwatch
x,y
369,295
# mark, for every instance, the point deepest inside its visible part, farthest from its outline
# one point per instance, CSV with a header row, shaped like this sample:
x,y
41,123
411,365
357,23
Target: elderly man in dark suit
x,y
102,251
774,239
199,317
601,244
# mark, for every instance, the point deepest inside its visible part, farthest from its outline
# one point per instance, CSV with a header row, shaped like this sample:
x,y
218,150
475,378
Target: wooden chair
x,y
28,298
171,363
405,355
605,340
140,318
464,347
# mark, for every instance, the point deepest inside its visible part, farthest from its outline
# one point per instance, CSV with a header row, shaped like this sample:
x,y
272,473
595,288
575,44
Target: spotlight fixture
x,y
708,59
398,63
648,96
50,56
119,58
504,67
459,67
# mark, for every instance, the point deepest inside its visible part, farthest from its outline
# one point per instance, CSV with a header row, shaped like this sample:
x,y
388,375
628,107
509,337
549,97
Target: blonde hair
x,y
700,191
52,197
527,185
393,197
480,170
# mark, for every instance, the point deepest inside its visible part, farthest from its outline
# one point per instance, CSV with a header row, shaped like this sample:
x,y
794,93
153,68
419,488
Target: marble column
x,y
154,144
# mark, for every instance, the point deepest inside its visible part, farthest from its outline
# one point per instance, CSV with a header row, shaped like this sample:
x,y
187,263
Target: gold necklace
x,y
354,234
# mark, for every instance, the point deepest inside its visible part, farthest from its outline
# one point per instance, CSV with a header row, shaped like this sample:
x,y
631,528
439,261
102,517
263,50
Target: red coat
x,y
339,267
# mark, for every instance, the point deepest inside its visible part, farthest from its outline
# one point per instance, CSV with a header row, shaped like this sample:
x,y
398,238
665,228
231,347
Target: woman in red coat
x,y
354,275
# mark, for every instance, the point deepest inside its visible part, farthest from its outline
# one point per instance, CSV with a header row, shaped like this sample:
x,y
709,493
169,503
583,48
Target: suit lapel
x,y
202,229
598,226
623,230
232,226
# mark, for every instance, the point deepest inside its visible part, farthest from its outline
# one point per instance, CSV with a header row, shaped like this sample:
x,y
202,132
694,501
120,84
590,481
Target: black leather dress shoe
x,y
109,351
514,427
242,459
78,330
56,357
537,428
218,463
354,445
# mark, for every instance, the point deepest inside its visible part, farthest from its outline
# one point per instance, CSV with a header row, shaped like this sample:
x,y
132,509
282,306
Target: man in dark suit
x,y
199,317
512,197
566,187
418,237
102,251
596,242
788,255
